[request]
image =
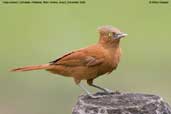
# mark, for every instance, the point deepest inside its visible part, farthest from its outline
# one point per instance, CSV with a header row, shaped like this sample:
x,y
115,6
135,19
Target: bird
x,y
87,63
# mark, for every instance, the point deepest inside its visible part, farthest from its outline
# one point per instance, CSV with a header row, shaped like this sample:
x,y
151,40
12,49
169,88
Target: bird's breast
x,y
113,59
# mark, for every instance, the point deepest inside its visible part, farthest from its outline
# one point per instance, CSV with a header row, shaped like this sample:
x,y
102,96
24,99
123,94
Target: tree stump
x,y
121,103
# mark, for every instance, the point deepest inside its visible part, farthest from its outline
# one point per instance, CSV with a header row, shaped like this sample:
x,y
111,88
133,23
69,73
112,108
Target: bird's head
x,y
109,34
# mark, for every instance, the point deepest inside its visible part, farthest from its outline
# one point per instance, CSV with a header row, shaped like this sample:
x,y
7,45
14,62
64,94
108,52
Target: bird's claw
x,y
108,91
92,96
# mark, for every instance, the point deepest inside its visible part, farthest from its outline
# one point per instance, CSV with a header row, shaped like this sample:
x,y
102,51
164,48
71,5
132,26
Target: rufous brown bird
x,y
90,62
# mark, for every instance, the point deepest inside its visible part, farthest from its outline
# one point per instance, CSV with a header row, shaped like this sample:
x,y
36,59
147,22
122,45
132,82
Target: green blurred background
x,y
35,34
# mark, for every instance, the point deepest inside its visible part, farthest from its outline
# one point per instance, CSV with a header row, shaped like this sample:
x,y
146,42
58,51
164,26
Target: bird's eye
x,y
110,34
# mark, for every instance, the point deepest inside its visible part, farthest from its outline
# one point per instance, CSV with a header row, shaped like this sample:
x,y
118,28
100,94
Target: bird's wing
x,y
78,58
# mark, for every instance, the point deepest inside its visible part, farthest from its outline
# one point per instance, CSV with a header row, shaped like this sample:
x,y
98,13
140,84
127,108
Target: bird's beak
x,y
121,35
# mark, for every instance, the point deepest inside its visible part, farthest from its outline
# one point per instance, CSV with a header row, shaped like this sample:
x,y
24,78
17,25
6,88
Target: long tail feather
x,y
28,68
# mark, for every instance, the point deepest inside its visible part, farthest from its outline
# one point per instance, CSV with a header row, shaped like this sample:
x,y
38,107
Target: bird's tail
x,y
28,68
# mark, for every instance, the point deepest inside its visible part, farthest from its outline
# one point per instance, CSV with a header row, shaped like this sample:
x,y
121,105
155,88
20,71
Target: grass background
x,y
35,34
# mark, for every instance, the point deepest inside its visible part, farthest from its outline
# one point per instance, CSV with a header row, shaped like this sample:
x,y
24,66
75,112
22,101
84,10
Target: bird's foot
x,y
108,91
92,96
111,92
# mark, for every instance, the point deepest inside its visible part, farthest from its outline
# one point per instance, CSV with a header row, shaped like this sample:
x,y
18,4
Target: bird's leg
x,y
90,82
82,87
88,93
